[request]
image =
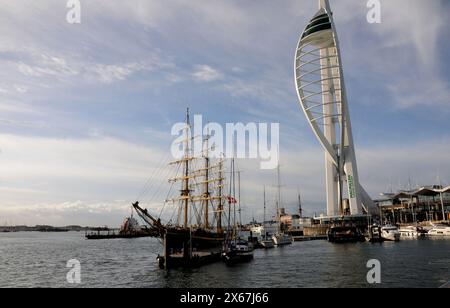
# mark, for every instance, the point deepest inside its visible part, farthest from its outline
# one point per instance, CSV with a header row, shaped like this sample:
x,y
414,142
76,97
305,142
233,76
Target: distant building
x,y
427,203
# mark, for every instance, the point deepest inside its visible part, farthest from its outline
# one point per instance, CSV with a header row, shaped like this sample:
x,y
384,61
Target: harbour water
x,y
32,259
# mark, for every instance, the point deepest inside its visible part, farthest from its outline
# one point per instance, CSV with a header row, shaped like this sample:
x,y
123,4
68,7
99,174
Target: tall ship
x,y
196,236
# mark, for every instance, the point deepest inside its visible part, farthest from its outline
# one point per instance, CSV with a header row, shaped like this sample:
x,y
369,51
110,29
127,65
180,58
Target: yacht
x,y
373,234
281,239
409,232
439,230
266,243
390,233
238,251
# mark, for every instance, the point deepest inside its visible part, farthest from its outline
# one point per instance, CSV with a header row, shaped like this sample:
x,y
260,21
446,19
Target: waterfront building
x,y
426,203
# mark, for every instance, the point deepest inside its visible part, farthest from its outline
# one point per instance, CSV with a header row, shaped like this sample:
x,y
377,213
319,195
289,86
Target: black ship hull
x,y
190,248
345,235
235,257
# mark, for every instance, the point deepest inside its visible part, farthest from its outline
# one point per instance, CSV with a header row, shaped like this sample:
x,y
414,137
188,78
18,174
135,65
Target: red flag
x,y
231,199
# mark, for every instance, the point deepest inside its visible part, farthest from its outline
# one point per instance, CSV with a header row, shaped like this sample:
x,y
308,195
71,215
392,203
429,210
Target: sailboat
x,y
280,238
236,248
197,237
265,242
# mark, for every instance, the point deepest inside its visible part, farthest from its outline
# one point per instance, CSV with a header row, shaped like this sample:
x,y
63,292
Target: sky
x,y
86,110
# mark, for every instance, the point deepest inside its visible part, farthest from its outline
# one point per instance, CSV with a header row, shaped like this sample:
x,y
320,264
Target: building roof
x,y
446,189
423,191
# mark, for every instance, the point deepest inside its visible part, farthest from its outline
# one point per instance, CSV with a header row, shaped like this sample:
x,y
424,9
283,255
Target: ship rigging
x,y
197,234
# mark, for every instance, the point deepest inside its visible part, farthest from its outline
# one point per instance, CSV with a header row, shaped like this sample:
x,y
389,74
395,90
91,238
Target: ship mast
x,y
206,195
279,199
185,191
220,198
264,218
234,198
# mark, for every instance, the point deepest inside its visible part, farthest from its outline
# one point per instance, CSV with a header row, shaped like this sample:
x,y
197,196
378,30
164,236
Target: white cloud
x,y
47,65
13,106
111,73
20,89
399,59
46,177
206,73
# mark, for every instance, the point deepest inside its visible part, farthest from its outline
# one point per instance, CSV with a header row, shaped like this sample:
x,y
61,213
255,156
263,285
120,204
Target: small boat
x,y
345,234
266,243
390,233
373,234
238,251
409,232
282,239
439,230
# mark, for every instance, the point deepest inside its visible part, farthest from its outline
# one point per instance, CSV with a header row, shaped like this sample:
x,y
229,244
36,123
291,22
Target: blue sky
x,y
86,109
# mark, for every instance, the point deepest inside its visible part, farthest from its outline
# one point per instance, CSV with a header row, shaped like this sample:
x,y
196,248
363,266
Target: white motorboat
x,y
409,232
267,243
281,239
390,233
439,230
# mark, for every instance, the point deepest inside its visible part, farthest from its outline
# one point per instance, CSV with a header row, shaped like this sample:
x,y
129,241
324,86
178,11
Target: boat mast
x,y
230,201
264,217
279,199
441,197
239,197
220,205
234,199
206,188
185,190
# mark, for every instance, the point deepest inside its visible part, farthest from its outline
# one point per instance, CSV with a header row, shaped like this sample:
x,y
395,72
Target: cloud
x,y
396,63
101,171
206,73
12,106
47,66
67,213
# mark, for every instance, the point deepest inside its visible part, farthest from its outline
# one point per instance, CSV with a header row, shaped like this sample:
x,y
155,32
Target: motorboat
x,y
266,243
282,239
390,233
373,234
409,232
439,230
238,251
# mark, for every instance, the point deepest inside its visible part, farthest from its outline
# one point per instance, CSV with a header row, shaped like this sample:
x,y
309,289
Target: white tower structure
x,y
321,90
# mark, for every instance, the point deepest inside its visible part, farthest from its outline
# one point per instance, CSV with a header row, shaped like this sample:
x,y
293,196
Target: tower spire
x,y
324,4
323,98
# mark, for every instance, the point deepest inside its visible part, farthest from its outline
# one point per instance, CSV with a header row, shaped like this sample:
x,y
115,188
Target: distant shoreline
x,y
46,228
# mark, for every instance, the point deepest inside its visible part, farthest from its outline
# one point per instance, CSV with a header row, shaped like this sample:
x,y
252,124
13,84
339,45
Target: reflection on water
x,y
39,260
